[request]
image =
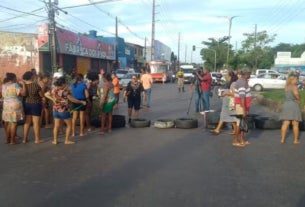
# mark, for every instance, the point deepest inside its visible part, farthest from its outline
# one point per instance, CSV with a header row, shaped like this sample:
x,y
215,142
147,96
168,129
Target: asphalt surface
x,y
155,168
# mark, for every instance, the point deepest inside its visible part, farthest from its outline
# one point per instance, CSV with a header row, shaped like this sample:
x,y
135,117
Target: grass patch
x,y
279,96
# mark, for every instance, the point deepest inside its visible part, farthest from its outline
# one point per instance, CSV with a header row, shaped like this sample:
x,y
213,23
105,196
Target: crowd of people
x,y
36,99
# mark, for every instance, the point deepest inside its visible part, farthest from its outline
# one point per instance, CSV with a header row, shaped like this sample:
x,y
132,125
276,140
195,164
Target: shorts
x,y
108,107
61,115
32,109
78,107
134,103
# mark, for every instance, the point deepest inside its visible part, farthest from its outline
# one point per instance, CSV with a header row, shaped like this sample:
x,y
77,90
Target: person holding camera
x,y
195,85
205,85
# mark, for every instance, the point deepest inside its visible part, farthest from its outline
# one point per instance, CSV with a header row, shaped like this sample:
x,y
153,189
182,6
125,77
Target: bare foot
x,y
69,142
25,141
38,142
296,142
55,142
81,135
283,141
238,145
48,126
72,135
102,132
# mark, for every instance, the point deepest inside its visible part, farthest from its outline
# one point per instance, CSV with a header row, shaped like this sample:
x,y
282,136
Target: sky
x,y
196,20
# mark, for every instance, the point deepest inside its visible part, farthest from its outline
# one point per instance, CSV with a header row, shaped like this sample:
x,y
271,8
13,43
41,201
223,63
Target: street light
x,y
230,18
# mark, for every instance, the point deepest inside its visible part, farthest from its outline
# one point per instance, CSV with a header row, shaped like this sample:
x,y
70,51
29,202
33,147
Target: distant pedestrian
x,y
291,112
12,106
108,101
133,94
164,77
180,80
80,92
147,82
32,106
206,83
60,96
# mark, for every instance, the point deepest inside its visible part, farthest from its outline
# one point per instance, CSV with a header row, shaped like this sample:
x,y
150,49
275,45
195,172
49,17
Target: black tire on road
x,y
164,123
267,123
139,123
186,123
118,121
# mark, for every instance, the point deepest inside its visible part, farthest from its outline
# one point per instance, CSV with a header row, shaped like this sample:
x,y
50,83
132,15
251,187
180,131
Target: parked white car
x,y
267,81
127,78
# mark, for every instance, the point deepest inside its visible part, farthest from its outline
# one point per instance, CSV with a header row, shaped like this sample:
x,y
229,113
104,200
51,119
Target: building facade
x,y
18,53
76,52
285,63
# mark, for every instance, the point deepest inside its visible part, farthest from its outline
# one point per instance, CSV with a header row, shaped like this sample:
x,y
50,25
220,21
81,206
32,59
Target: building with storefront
x,y
18,53
76,52
139,60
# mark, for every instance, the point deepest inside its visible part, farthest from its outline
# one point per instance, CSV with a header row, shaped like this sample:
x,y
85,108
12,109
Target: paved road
x,y
155,168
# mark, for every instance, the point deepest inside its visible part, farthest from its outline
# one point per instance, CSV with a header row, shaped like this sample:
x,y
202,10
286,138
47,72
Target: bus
x,y
158,69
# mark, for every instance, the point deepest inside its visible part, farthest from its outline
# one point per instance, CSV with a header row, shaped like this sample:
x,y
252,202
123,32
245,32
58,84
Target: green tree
x,y
208,53
255,52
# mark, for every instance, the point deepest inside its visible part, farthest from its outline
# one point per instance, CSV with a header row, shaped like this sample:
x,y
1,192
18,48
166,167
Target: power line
x,y
119,20
89,24
15,10
89,4
22,15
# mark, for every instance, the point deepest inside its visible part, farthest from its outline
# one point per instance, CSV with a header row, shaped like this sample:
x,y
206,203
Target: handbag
x,y
243,126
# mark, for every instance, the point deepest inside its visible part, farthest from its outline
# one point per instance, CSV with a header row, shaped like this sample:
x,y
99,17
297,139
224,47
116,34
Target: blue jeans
x,y
198,100
206,100
148,96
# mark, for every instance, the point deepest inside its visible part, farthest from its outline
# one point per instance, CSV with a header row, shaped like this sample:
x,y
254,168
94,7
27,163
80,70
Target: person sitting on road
x,y
60,96
133,94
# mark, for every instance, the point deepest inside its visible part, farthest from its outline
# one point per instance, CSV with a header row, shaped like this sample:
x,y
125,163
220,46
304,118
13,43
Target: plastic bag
x,y
243,126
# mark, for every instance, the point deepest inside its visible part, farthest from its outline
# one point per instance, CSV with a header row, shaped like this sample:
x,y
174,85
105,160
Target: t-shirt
x,y
241,91
78,90
116,85
32,93
134,90
206,82
61,96
146,81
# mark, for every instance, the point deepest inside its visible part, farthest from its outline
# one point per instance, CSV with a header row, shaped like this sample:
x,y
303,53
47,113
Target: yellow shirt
x,y
146,81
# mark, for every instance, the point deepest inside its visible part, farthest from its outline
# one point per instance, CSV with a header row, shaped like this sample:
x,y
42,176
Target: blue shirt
x,y
78,90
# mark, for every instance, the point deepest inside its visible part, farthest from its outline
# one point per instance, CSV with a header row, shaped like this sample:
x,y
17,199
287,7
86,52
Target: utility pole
x,y
153,32
116,65
255,42
145,48
52,35
178,50
229,40
185,53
